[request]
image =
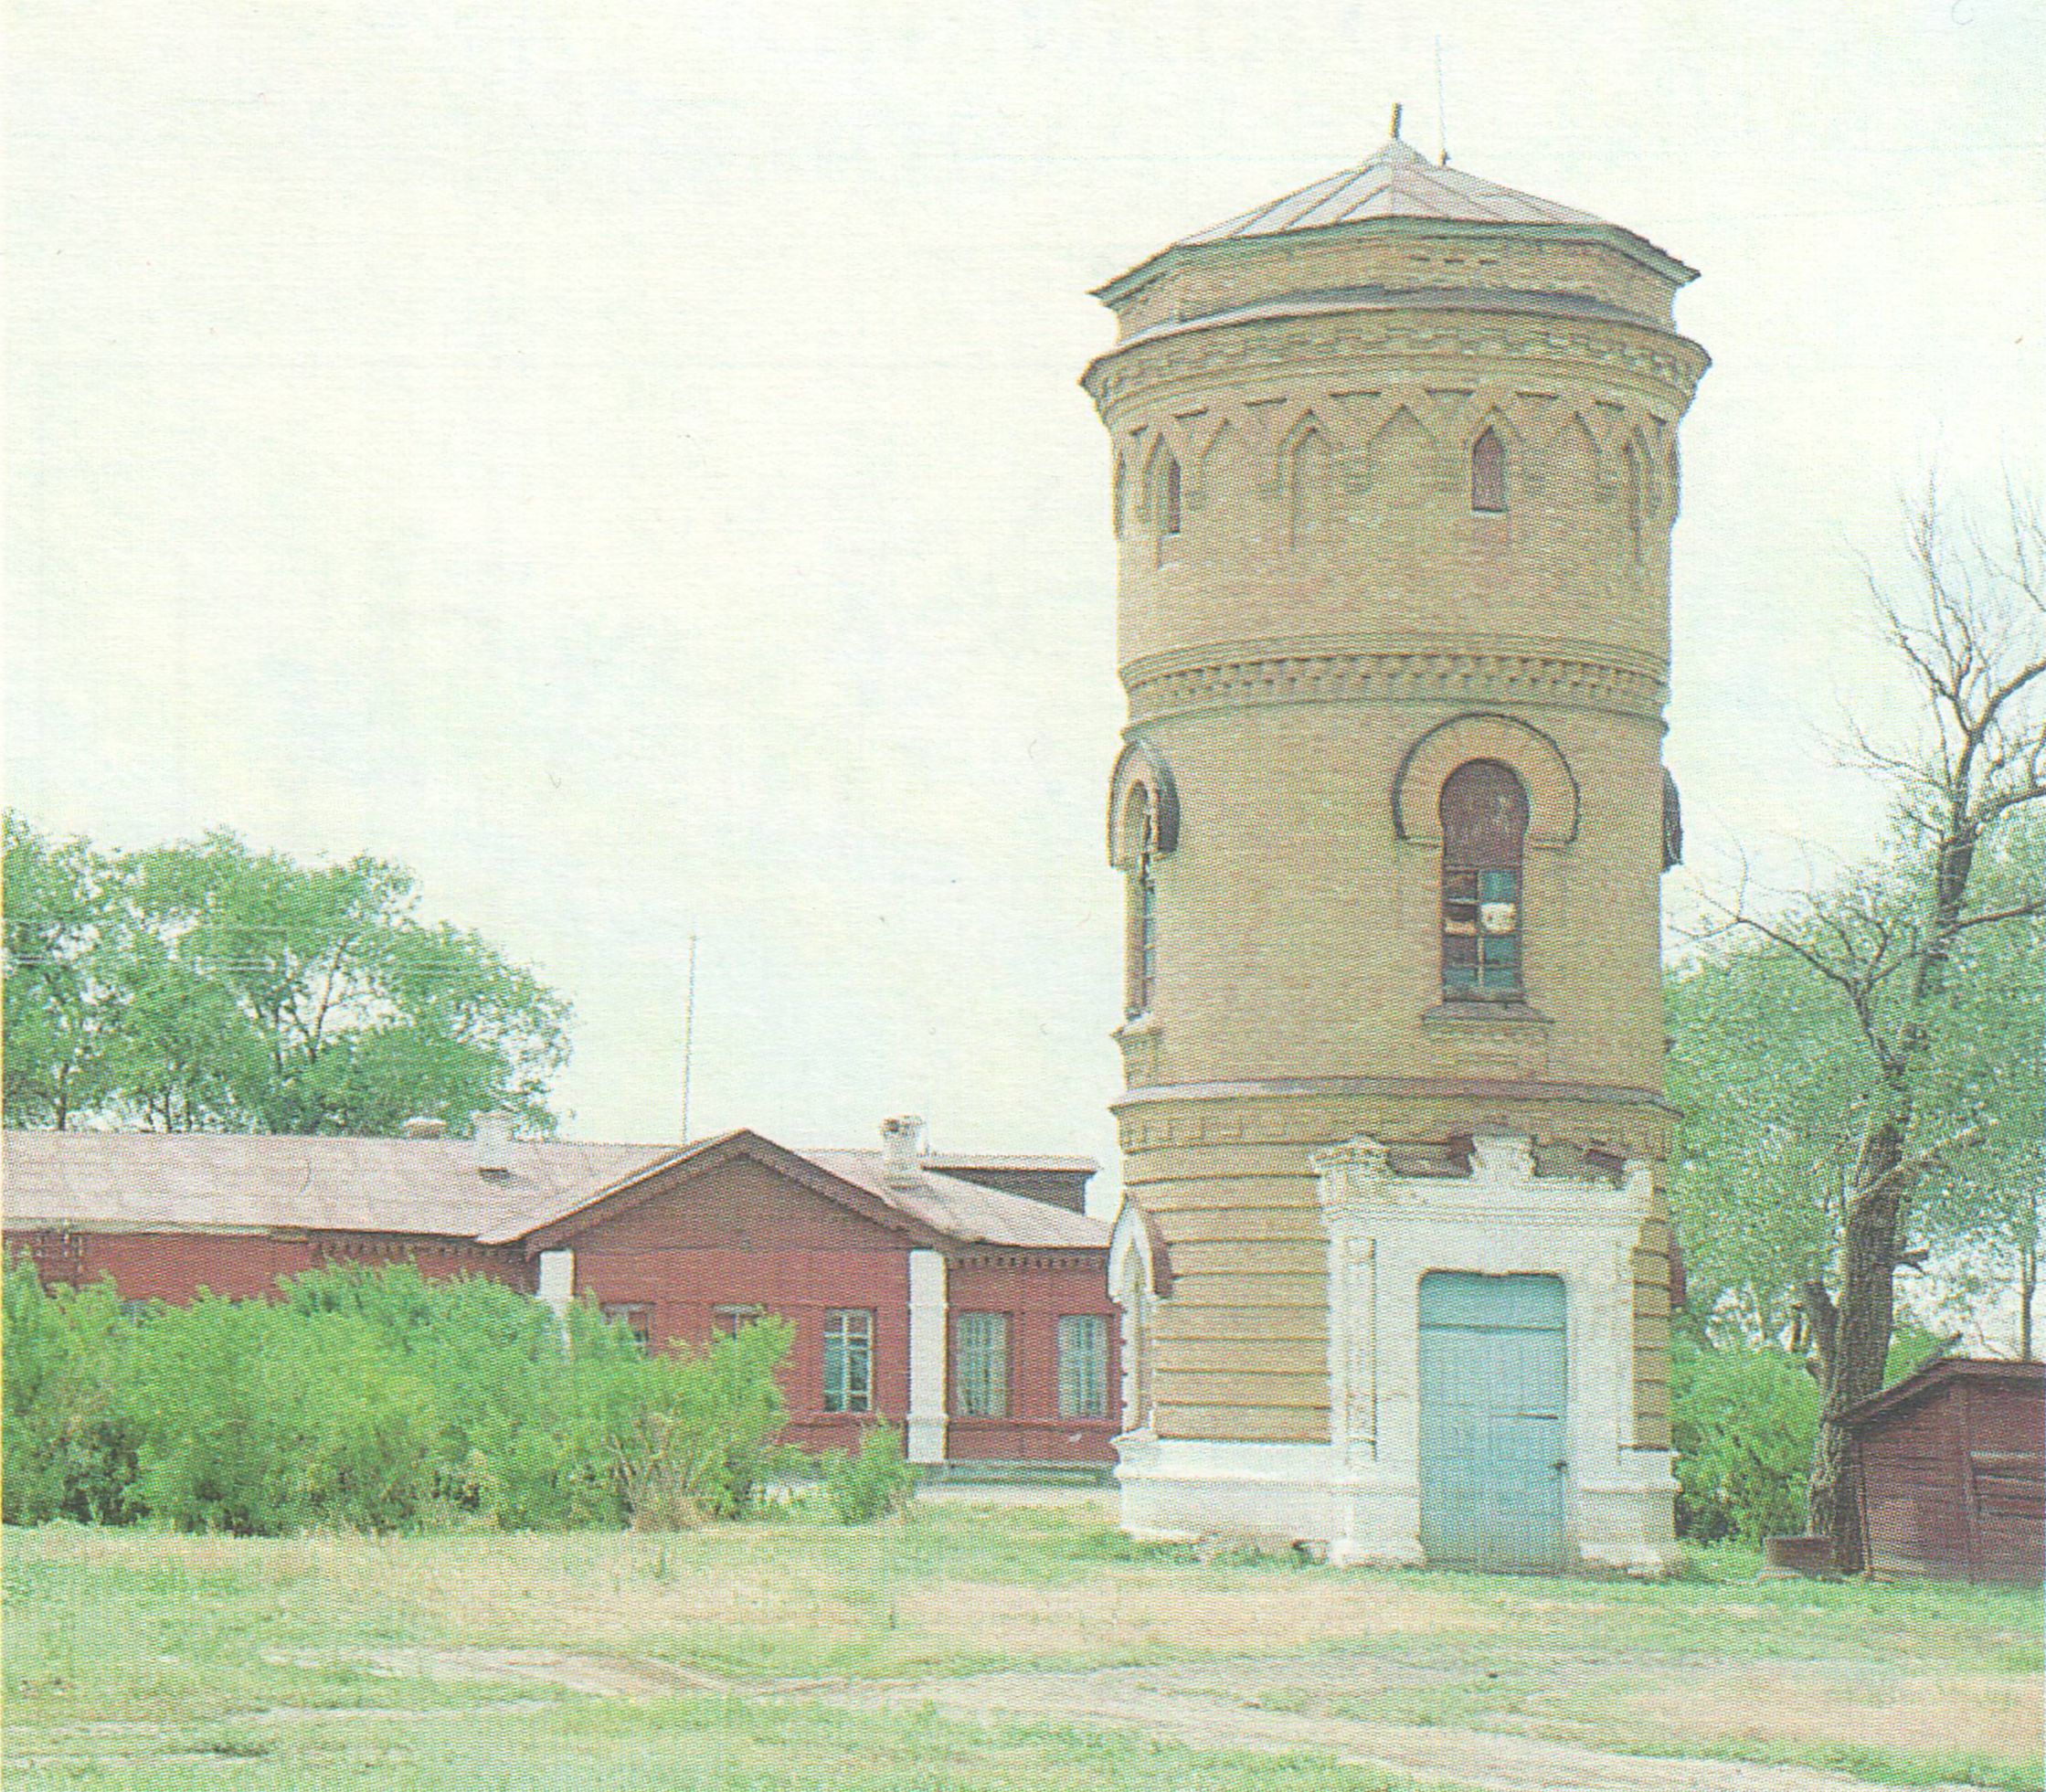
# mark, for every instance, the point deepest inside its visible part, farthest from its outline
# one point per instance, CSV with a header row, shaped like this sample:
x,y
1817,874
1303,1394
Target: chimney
x,y
423,1125
494,1144
902,1152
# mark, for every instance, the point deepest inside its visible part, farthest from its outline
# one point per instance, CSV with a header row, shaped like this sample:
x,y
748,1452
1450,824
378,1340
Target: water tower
x,y
1394,464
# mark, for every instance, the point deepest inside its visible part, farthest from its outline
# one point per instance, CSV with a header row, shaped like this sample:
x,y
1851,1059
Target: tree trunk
x,y
1853,1338
2028,1289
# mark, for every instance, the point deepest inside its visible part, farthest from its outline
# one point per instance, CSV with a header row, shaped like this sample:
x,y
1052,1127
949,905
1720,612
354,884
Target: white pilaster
x,y
557,1287
1131,1282
926,1441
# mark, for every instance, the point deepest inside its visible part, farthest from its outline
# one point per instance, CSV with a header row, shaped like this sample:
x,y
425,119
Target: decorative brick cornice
x,y
1294,348
1259,674
1187,1134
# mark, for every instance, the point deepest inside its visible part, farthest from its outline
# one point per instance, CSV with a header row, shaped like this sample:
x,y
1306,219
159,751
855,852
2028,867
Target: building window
x,y
729,1320
982,1366
1140,958
1083,1367
1170,509
1488,472
1484,826
848,1362
635,1316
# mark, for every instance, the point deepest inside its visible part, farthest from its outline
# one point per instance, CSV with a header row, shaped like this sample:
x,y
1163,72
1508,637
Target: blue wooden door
x,y
1493,1370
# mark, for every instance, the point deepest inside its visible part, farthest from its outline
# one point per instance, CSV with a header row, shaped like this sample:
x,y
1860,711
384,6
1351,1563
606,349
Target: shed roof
x,y
1942,1372
150,1181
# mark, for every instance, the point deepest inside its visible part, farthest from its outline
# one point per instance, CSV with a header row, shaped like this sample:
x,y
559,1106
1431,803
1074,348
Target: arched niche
x,y
1139,1261
1552,789
1141,771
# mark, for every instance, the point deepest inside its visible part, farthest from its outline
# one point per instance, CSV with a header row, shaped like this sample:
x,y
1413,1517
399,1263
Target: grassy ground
x,y
794,1653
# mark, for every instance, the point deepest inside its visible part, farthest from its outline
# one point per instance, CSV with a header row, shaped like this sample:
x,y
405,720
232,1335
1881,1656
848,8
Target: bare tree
x,y
1969,625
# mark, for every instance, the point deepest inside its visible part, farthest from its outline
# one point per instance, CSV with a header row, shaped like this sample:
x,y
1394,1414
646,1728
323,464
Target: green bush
x,y
373,1400
873,1483
71,1443
260,1421
1742,1422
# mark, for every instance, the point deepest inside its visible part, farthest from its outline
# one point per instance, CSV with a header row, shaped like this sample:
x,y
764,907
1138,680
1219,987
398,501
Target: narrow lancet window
x,y
1169,498
1141,976
1484,829
1487,474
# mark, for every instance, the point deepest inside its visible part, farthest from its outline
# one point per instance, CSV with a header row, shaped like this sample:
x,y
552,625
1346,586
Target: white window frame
x,y
848,1342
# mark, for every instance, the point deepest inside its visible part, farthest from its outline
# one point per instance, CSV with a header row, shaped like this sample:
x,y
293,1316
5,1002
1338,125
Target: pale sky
x,y
626,463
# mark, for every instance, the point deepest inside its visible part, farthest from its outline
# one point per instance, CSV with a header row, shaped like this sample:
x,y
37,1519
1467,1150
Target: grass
x,y
739,1655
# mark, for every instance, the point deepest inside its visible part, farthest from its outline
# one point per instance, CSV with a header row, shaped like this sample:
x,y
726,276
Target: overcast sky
x,y
626,464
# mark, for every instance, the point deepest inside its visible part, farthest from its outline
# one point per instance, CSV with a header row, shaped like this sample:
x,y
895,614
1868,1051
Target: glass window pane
x,y
982,1365
1083,1367
848,1362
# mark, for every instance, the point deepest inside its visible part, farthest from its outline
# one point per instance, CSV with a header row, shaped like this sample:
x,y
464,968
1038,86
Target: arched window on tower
x,y
1484,829
1488,472
1140,962
1170,508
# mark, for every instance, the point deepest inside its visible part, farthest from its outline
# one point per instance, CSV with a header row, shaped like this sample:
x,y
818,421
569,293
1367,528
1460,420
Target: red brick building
x,y
965,1299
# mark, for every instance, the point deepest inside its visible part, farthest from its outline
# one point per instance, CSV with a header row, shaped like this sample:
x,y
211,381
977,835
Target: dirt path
x,y
1209,1704
1492,1760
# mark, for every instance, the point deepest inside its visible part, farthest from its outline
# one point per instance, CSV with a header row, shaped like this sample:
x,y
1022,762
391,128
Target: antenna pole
x,y
1397,110
1441,112
688,1034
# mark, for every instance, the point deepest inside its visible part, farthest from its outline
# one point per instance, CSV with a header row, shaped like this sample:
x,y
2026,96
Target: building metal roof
x,y
1396,184
1397,181
968,1212
251,1183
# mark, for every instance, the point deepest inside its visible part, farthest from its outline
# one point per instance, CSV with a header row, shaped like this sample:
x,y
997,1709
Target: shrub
x,y
373,1400
71,1443
1742,1422
259,1421
673,1437
873,1483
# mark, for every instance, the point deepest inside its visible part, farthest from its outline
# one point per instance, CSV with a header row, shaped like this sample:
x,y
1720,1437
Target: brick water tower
x,y
1394,463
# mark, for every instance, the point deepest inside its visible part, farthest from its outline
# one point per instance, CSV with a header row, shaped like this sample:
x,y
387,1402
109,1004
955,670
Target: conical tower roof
x,y
1397,181
1397,188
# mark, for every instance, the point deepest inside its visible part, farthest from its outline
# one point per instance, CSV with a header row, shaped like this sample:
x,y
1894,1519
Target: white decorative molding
x,y
928,1324
1132,1284
1360,1493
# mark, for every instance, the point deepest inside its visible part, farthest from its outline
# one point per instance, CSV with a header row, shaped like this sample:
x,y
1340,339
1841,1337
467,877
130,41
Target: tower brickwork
x,y
1394,471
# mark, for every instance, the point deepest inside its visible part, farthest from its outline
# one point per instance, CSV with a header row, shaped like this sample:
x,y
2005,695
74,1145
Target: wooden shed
x,y
1950,1468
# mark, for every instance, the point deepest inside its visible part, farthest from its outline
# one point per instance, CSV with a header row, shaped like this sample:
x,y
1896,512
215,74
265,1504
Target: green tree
x,y
1969,628
60,1007
204,984
1775,1084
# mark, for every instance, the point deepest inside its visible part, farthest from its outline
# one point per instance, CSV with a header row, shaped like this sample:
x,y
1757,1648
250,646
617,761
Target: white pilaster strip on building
x,y
928,1325
558,1282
